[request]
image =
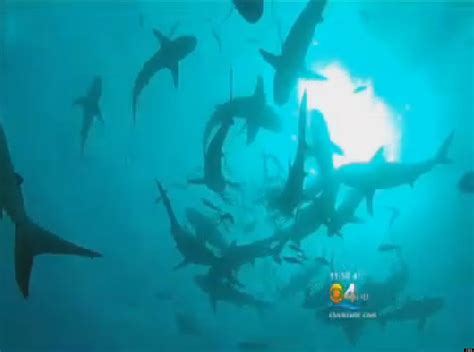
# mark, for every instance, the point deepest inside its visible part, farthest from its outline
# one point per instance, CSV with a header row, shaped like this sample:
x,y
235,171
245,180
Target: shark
x,y
219,290
413,309
214,178
345,212
321,147
253,110
371,176
192,249
31,240
290,64
206,229
90,109
169,56
383,294
292,192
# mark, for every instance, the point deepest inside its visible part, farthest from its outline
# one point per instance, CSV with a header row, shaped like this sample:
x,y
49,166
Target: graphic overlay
x,y
347,299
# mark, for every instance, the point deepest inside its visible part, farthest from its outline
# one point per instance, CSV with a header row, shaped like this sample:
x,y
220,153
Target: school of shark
x,y
213,241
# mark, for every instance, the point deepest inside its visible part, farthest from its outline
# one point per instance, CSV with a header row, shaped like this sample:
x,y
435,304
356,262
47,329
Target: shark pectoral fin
x,y
181,265
311,75
272,59
175,73
164,40
370,201
19,179
336,149
421,324
252,130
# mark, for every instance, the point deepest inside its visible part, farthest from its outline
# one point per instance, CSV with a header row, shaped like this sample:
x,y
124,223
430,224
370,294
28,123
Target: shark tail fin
x,y
30,241
442,154
272,59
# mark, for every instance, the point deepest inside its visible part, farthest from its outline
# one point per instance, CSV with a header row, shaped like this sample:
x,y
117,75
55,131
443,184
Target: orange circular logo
x,y
335,293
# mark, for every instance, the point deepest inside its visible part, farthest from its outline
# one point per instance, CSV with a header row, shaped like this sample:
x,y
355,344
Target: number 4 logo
x,y
351,293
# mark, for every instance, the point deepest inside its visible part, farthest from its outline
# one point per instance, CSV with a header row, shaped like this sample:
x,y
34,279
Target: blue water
x,y
415,53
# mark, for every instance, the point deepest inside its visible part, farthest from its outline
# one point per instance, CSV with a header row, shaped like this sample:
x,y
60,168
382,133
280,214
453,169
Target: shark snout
x,y
189,43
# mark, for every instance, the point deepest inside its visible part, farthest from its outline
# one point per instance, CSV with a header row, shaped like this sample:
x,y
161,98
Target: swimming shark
x,y
413,309
300,281
253,109
170,54
345,212
323,149
90,109
292,192
219,290
206,229
290,64
31,240
385,293
371,176
250,10
235,256
192,249
214,178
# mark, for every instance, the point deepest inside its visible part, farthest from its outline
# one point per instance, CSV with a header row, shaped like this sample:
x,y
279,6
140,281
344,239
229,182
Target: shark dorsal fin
x,y
163,39
336,149
378,156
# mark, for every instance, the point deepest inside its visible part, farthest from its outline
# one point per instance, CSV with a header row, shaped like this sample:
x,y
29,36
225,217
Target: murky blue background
x,y
417,53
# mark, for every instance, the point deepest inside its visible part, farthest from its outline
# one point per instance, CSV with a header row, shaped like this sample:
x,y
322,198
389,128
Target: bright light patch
x,y
359,123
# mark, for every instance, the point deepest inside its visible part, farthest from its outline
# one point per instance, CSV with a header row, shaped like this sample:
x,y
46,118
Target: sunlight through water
x,y
358,121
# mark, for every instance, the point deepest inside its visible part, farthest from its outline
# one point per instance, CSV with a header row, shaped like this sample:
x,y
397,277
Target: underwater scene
x,y
236,175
